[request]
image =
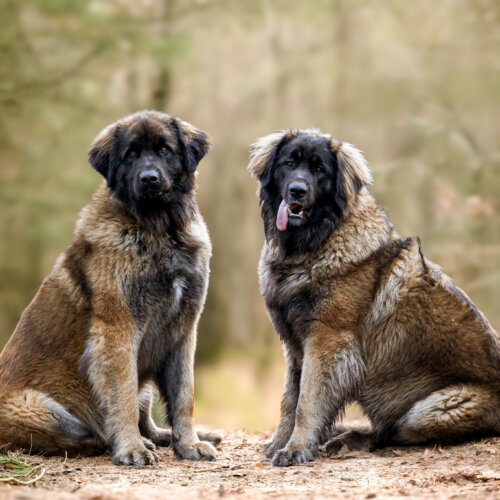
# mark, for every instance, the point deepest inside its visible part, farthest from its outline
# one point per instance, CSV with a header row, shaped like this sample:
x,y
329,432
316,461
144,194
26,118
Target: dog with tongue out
x,y
285,211
363,316
303,192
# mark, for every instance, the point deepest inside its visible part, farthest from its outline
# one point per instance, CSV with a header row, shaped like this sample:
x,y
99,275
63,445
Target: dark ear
x,y
263,154
339,194
193,143
352,172
100,150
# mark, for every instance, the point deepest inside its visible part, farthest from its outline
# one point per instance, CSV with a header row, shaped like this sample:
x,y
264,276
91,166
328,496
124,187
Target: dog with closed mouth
x,y
362,314
118,314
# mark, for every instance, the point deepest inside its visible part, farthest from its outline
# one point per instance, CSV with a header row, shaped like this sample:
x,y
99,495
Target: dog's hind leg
x,y
450,415
33,421
147,426
354,439
158,435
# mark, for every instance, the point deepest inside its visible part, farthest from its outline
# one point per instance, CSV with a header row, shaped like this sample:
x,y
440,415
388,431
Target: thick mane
x,y
171,218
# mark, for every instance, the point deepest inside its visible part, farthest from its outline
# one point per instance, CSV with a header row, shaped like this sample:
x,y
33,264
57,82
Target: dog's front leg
x,y
332,370
176,383
110,360
289,402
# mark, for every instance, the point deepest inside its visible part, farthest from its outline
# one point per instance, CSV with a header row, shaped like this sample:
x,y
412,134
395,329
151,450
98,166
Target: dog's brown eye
x,y
163,150
289,164
132,154
319,168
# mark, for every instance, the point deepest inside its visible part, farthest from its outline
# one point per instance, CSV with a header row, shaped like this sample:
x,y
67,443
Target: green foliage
x,y
16,469
414,84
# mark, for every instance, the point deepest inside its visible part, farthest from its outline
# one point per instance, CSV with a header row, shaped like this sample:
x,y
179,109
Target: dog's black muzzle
x,y
151,183
298,196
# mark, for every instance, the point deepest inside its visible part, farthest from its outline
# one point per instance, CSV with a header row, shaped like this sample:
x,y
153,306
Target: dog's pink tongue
x,y
282,218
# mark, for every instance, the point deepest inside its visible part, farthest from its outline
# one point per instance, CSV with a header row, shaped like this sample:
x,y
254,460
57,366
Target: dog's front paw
x,y
285,458
149,445
271,447
201,450
139,455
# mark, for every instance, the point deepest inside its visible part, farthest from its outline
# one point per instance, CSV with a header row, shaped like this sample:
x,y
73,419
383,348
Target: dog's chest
x,y
165,282
291,297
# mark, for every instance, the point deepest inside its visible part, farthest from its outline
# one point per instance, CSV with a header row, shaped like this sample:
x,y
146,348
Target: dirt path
x,y
467,471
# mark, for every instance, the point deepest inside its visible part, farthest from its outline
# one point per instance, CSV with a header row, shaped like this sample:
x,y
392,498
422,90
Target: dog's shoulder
x,y
196,233
102,222
364,232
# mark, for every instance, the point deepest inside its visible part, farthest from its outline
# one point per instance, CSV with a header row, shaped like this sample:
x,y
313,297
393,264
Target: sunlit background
x,y
416,85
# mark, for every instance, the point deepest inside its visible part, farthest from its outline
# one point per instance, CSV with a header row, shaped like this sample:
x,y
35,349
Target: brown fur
x,y
118,312
367,318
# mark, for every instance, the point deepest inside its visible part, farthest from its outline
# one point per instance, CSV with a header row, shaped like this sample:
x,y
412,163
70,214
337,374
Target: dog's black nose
x,y
149,177
297,189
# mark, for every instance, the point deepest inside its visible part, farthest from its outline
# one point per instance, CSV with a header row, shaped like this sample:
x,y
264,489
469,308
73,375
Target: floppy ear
x,y
193,143
263,153
100,150
353,172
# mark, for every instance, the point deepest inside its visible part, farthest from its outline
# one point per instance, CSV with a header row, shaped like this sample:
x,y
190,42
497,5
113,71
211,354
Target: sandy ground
x,y
241,471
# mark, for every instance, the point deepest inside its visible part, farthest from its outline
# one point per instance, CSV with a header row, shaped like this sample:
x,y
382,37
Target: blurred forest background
x,y
416,85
